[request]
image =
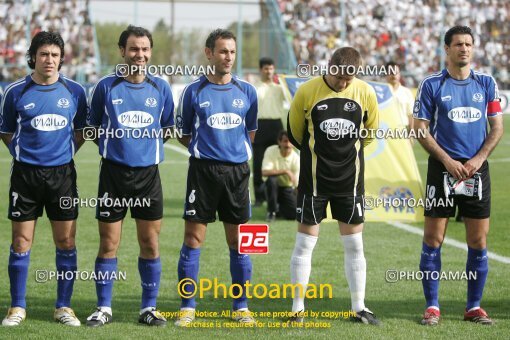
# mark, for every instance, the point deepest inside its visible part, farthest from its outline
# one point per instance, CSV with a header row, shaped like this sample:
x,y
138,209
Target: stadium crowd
x,y
407,32
69,17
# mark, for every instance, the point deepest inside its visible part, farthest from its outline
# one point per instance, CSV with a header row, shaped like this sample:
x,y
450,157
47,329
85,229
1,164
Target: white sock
x,y
355,269
300,267
105,309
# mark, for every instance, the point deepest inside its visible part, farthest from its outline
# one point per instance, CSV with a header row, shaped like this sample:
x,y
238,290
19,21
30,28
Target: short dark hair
x,y
136,31
265,61
44,38
457,30
392,63
281,134
218,33
346,56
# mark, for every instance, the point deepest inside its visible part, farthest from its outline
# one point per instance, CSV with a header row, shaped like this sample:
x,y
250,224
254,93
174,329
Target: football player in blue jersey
x,y
42,117
124,107
454,107
217,114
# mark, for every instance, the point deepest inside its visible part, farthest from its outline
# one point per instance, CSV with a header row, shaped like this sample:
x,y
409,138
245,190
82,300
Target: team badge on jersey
x,y
478,97
238,103
63,103
350,106
151,102
179,122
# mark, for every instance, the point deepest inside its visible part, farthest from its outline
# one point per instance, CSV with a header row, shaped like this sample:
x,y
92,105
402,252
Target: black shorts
x,y
311,209
35,187
440,206
217,186
122,187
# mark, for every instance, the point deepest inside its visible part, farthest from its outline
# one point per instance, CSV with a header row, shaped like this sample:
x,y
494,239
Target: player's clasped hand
x,y
457,169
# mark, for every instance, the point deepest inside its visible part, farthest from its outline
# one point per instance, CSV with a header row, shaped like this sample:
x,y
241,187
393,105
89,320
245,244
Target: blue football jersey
x,y
457,110
132,117
42,119
218,118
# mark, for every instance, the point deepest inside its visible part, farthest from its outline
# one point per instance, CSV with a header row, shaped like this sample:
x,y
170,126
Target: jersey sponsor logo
x,y
322,107
63,103
478,97
446,98
135,119
151,102
464,114
117,101
339,125
224,121
204,104
29,106
350,106
238,103
49,122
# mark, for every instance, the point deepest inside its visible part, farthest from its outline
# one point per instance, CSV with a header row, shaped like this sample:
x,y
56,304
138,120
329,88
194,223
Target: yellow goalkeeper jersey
x,y
328,127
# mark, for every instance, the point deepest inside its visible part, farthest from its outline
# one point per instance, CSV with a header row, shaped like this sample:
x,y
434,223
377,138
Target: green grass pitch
x,y
399,305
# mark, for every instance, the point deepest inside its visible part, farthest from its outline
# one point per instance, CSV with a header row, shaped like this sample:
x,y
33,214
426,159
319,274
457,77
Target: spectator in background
x,y
271,104
281,167
402,94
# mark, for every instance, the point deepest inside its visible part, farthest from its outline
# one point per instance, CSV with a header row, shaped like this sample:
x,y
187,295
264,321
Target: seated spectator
x,y
281,167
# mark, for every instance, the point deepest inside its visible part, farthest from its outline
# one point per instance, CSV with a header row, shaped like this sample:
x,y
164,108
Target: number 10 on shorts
x,y
253,239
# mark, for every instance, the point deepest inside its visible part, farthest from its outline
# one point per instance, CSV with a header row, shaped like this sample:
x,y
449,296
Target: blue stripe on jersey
x,y
218,118
457,111
131,115
42,119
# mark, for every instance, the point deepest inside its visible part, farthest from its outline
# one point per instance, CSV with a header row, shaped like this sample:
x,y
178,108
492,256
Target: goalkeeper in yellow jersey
x,y
328,117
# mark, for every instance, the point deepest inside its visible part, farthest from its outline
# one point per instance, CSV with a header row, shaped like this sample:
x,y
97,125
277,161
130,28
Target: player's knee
x,y
65,243
233,243
108,247
192,240
477,241
433,240
21,244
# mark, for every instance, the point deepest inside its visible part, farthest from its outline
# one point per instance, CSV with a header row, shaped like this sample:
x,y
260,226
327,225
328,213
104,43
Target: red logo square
x,y
253,239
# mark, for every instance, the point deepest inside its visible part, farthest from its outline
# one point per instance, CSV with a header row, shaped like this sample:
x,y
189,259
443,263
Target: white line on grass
x,y
177,149
456,244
